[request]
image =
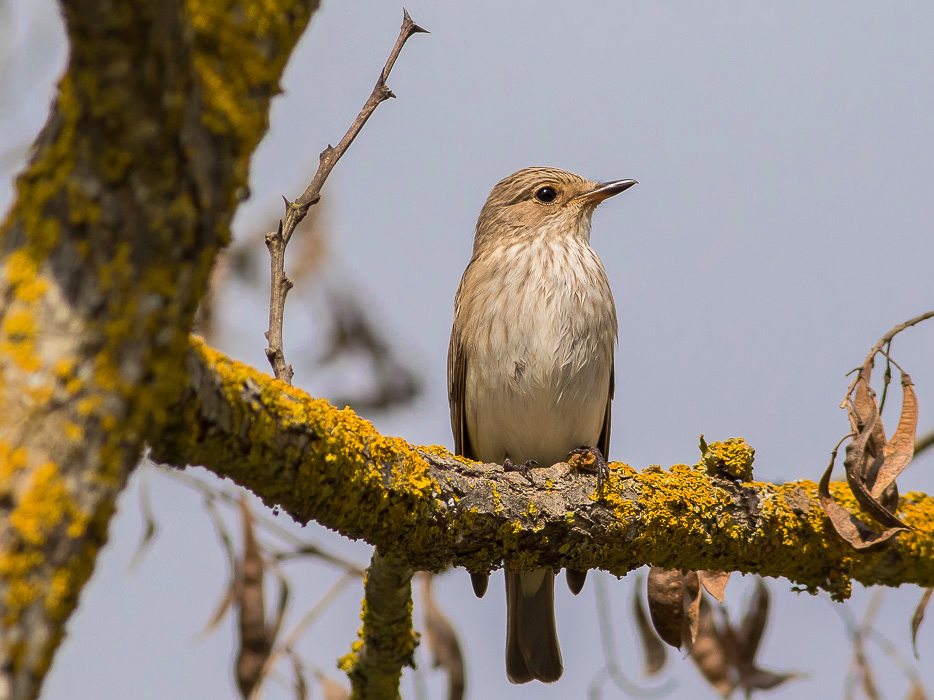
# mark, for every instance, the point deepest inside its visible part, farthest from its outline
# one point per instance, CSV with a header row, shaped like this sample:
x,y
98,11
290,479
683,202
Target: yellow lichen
x,y
733,458
12,460
42,507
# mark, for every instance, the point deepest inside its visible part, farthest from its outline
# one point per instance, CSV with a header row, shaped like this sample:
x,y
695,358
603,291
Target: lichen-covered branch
x,y
126,200
387,641
434,510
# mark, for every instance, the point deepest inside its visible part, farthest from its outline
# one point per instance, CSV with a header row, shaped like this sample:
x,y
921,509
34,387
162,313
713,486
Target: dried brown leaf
x,y
755,615
330,688
715,582
864,409
742,644
848,526
692,598
443,642
761,679
673,604
879,512
223,605
916,692
918,618
666,604
653,650
857,473
898,451
255,645
708,653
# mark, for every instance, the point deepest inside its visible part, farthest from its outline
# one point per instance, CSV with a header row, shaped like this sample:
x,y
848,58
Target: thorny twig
x,y
277,241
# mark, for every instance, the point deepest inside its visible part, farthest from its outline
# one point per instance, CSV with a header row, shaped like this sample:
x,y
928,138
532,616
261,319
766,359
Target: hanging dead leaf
x,y
742,644
898,451
223,605
443,642
673,604
330,688
666,604
857,467
864,409
709,655
848,526
653,650
692,598
755,616
715,582
255,645
761,679
916,692
918,618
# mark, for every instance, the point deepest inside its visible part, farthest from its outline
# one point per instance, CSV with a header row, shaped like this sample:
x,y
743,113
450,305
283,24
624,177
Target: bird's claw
x,y
590,459
525,468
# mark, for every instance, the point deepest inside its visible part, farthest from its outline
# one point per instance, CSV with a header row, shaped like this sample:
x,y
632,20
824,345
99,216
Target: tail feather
x,y
532,651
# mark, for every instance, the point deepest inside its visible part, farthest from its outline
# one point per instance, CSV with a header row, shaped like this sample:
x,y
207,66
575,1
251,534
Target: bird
x,y
531,364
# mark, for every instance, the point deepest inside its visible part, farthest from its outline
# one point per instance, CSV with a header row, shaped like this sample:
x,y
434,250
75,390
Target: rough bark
x,y
126,200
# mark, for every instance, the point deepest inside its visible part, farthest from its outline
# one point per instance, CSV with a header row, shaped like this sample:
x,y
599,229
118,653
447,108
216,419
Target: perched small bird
x,y
530,364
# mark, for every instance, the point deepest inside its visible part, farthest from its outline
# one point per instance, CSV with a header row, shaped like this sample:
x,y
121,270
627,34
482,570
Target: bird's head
x,y
543,202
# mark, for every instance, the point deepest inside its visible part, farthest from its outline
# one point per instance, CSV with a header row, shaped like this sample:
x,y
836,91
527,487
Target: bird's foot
x,y
590,459
525,468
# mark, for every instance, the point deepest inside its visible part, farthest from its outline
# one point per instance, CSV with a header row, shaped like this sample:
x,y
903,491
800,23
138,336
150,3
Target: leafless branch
x,y
277,241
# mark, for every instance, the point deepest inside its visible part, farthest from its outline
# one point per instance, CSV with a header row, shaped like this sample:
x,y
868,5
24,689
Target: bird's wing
x,y
604,443
457,383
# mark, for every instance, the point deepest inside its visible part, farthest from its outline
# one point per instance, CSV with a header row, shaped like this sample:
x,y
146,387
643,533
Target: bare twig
x,y
865,630
860,670
277,241
612,670
870,358
287,646
303,547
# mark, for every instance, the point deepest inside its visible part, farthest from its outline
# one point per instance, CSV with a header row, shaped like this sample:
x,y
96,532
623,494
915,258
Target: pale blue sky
x,y
782,224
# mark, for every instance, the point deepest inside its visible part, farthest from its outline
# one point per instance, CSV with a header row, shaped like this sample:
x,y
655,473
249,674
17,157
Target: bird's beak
x,y
606,190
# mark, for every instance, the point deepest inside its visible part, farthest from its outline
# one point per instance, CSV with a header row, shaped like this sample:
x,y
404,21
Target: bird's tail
x,y
532,651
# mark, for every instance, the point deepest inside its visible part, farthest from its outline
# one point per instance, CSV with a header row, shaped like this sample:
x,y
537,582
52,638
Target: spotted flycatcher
x,y
530,365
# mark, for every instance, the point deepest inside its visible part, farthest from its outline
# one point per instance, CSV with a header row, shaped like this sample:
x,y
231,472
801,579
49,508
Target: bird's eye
x,y
546,194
